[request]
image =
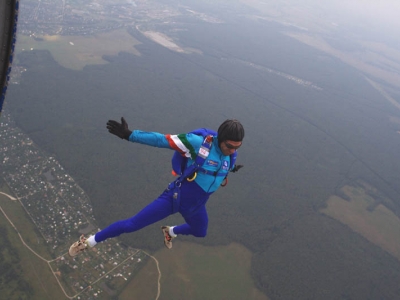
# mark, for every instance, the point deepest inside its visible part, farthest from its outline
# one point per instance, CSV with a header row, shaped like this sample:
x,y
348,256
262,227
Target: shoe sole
x,y
167,244
73,251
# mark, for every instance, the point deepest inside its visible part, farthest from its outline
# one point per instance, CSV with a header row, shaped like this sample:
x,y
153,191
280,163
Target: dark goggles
x,y
229,146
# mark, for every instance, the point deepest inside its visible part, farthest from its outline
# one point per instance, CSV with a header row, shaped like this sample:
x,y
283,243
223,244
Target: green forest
x,y
302,145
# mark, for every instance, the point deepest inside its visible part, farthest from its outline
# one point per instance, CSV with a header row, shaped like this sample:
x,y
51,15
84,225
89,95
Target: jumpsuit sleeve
x,y
186,144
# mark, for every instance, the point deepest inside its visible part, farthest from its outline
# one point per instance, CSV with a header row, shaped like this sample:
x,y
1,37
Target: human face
x,y
229,147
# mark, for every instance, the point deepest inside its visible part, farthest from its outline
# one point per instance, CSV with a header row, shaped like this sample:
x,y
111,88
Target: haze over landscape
x,y
314,214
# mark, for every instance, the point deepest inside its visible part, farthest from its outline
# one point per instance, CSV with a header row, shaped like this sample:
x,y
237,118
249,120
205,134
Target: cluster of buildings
x,y
61,211
56,204
85,18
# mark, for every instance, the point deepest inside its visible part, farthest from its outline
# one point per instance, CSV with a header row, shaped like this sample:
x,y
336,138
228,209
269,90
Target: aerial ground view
x,y
313,214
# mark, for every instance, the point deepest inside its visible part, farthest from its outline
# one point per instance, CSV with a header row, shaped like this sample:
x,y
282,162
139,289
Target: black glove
x,y
119,129
236,168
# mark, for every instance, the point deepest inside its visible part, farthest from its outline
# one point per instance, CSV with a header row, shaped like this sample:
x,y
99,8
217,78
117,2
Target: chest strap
x,y
213,173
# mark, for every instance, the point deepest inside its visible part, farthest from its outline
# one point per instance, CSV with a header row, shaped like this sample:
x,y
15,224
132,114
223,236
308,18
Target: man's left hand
x,y
119,129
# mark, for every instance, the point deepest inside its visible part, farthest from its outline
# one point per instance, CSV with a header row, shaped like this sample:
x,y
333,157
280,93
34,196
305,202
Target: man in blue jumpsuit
x,y
193,192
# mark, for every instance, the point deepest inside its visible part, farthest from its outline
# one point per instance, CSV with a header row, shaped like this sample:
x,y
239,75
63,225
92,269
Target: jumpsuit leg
x,y
196,224
155,211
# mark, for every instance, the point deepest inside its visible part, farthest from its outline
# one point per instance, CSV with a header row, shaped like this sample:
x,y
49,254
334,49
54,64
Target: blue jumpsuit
x,y
193,197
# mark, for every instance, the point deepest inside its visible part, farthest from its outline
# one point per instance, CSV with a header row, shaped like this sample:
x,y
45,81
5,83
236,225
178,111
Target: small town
x,y
61,211
72,18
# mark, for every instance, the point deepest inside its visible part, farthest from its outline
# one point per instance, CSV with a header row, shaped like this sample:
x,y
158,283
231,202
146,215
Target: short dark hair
x,y
231,130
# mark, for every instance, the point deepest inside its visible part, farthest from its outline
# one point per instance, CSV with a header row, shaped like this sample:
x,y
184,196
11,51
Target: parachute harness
x,y
190,173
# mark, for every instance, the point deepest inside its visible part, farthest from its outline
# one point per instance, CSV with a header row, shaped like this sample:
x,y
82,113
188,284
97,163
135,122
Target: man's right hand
x,y
119,129
236,168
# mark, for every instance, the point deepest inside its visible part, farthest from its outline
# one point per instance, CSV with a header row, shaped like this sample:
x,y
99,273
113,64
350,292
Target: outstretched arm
x,y
122,131
183,143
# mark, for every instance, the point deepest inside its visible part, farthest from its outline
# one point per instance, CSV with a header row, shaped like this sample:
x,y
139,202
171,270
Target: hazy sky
x,y
378,20
373,18
386,11
377,15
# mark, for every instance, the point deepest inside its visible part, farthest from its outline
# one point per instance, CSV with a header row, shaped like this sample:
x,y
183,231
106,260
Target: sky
x,y
381,16
377,19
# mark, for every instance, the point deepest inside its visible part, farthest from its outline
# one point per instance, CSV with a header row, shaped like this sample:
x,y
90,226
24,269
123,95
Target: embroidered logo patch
x,y
225,165
212,163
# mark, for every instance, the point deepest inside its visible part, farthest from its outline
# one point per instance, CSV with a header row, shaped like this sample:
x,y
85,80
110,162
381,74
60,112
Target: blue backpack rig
x,y
179,162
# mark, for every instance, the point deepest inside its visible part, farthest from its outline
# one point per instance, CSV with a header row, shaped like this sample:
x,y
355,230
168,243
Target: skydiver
x,y
189,194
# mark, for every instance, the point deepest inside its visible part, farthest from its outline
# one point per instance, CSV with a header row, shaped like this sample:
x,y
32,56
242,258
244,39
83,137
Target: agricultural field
x,y
199,272
28,276
369,218
75,52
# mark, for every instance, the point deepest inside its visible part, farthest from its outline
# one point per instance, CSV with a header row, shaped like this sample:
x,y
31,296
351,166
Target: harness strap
x,y
204,151
213,173
201,157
